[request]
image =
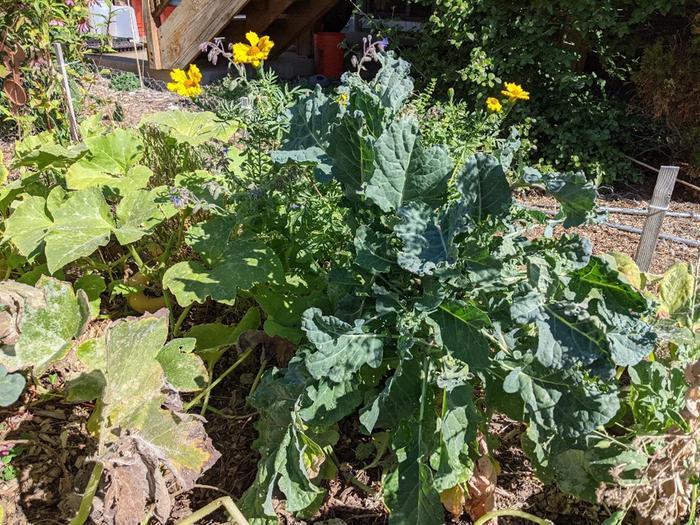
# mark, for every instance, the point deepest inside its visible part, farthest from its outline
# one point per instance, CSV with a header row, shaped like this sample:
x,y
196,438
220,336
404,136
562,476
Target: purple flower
x,y
5,451
179,197
56,23
383,44
295,206
83,26
69,3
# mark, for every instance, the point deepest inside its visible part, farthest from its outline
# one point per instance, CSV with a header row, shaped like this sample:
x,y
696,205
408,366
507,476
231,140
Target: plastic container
x,y
124,23
330,57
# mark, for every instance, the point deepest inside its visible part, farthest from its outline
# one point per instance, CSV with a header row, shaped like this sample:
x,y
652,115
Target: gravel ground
x,y
134,105
606,239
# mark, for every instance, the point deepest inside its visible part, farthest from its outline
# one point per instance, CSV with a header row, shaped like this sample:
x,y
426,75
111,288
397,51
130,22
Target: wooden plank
x,y
191,24
302,16
259,16
152,36
657,211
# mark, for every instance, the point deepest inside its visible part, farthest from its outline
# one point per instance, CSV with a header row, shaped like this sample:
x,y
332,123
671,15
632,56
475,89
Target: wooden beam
x,y
657,211
158,10
301,17
191,24
259,16
152,36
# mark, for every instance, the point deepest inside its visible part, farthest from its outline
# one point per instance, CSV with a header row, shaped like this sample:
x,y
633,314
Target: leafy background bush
x,y
35,26
124,81
581,61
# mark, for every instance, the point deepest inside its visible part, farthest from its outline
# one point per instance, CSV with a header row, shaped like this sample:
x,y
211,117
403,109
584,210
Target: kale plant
x,y
447,313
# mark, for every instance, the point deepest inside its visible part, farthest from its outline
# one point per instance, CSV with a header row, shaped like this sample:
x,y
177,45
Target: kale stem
x,y
423,395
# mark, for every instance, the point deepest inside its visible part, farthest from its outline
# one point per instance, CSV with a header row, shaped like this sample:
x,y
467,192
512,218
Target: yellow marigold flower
x,y
515,92
255,53
493,104
186,84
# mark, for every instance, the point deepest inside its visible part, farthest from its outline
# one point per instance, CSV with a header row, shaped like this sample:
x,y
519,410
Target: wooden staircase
x,y
176,42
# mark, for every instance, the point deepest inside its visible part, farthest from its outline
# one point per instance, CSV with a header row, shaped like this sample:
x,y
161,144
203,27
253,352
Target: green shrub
x,y
576,59
28,31
124,81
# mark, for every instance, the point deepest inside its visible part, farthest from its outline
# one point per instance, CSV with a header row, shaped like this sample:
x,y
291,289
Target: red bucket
x,y
138,11
330,57
166,13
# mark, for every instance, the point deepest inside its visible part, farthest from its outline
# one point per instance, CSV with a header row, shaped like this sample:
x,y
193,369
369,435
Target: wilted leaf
x,y
47,318
138,423
676,288
627,267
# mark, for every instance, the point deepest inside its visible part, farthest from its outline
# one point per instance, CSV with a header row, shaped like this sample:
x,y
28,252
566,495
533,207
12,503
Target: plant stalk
x,y
514,513
226,502
183,315
219,379
88,496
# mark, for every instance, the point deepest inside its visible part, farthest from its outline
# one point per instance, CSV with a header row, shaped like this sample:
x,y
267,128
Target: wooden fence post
x,y
658,206
73,123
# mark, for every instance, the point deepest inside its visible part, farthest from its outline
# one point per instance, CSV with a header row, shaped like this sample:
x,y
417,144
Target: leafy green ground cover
x,y
399,269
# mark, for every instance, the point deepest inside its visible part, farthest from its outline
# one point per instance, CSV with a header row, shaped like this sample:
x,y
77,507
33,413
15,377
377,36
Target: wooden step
x,y
176,43
300,18
259,15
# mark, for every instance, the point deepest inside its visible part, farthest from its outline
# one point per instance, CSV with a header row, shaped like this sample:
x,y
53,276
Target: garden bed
x,y
310,303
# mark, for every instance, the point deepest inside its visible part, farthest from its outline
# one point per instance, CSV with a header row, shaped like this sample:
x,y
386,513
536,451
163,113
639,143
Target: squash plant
x,y
447,312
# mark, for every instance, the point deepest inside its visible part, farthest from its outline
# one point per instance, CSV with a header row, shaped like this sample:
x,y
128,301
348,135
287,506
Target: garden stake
x,y
135,33
73,123
657,211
